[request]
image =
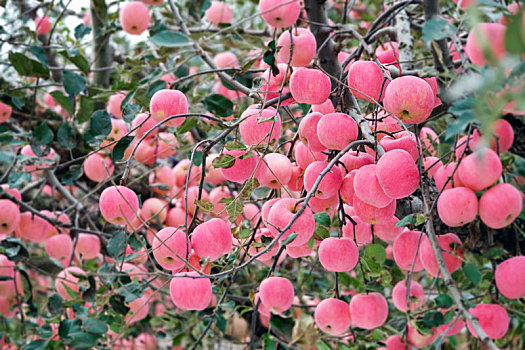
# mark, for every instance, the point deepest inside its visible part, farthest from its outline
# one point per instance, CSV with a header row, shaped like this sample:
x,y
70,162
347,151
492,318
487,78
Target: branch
x,y
102,51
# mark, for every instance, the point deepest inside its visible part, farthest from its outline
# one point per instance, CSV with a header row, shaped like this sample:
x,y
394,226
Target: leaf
x,y
77,59
197,157
234,209
289,239
117,244
322,219
464,111
235,145
74,172
92,325
311,243
121,147
100,123
437,29
129,112
42,135
444,301
248,187
204,205
472,272
67,136
156,86
224,161
515,34
26,66
39,53
376,252
39,344
415,219
54,304
168,38
73,83
130,291
85,109
63,101
82,30
189,123
269,57
218,105
14,249
245,233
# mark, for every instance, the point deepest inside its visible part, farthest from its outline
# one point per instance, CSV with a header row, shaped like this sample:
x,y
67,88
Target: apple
x,y
276,294
490,34
330,183
510,283
98,167
368,311
410,99
336,130
332,316
5,112
212,239
405,248
134,17
338,254
166,103
9,216
167,244
452,253
480,169
399,296
368,189
279,14
304,48
282,212
457,206
190,293
397,173
500,205
492,318
43,26
118,205
310,86
367,81
257,125
69,278
218,12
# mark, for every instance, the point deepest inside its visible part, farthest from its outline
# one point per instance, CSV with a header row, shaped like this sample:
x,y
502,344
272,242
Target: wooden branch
x,y
101,48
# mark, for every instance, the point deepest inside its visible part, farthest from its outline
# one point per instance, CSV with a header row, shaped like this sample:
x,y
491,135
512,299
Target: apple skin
x,y
332,316
452,253
304,155
88,245
118,205
367,81
336,130
277,294
304,47
98,167
500,205
388,53
324,108
282,212
218,12
166,103
373,215
226,59
505,134
480,169
5,112
330,183
43,26
338,254
142,123
410,99
368,311
167,242
279,14
405,247
9,216
134,17
443,173
399,296
510,283
310,86
114,103
67,277
308,131
243,169
275,170
212,239
397,173
32,228
254,132
457,206
493,34
388,231
189,293
368,189
492,318
60,247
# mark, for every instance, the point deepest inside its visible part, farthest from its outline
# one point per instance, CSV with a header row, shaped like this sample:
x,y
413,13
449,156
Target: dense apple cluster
x,y
195,216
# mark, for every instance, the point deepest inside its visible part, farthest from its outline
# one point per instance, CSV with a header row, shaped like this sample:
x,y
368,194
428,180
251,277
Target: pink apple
x,y
308,132
162,179
169,246
367,81
492,318
142,123
9,216
275,170
98,167
218,12
505,136
276,294
154,210
347,191
305,155
5,112
257,124
324,108
388,231
480,169
405,247
166,103
368,311
189,293
490,34
500,205
353,160
88,245
69,279
243,167
304,48
310,86
212,239
373,215
134,17
296,181
457,206
332,316
397,173
226,59
330,183
282,212
443,173
410,99
118,205
431,165
279,14
388,53
404,140
32,228
368,189
60,247
114,103
510,283
399,296
452,253
338,254
336,130
43,26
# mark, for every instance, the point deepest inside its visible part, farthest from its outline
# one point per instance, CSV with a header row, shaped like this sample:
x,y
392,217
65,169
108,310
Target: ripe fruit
x,y
388,53
353,160
9,216
399,296
88,245
368,189
276,294
366,81
304,48
60,247
282,212
226,59
338,254
500,205
242,169
98,167
510,283
492,318
118,205
32,228
304,156
330,183
212,239
114,103
43,26
69,277
310,86
189,293
457,206
146,123
336,130
275,170
279,14
332,316
480,169
397,174
166,103
368,311
452,253
505,136
410,99
373,215
308,131
443,173
347,188
167,244
490,34
218,12
258,124
5,112
134,17
405,248
154,210
361,233
388,231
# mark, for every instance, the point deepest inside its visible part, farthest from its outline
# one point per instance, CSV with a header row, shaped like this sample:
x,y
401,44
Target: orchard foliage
x,y
272,174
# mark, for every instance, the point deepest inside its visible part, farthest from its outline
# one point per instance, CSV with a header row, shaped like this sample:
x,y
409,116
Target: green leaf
x,y
54,304
197,157
269,343
73,83
244,233
234,209
81,30
130,291
269,57
218,105
224,161
415,219
63,101
73,173
129,112
42,135
464,111
322,345
290,238
84,109
26,66
437,29
39,344
92,325
121,147
82,340
77,59
322,219
6,158
169,38
156,86
433,319
67,136
515,34
117,244
311,243
14,249
444,301
472,272
39,53
376,252
204,205
248,187
235,145
100,123
189,123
